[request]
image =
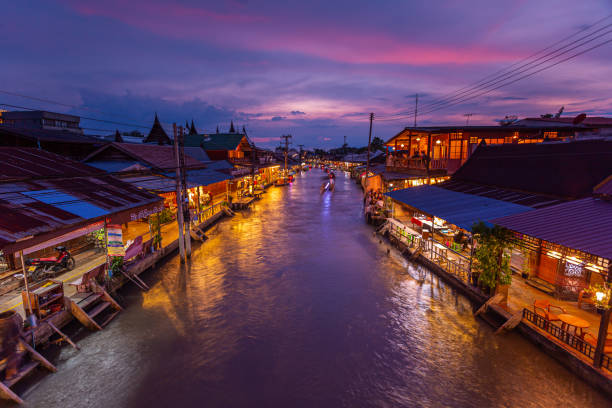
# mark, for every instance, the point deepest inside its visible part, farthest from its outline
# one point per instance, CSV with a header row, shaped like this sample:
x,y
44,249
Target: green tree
x,y
377,144
492,263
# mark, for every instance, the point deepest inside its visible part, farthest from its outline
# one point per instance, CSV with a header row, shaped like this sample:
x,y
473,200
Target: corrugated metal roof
x,y
584,224
197,153
605,187
67,202
154,156
517,197
566,170
18,163
158,184
220,165
57,194
203,177
463,210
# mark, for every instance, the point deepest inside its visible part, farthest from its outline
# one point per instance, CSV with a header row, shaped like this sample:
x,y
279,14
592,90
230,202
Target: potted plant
x,y
492,263
601,296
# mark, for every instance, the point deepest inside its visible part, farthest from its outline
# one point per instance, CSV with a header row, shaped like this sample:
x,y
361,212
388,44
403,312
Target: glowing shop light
x,y
600,296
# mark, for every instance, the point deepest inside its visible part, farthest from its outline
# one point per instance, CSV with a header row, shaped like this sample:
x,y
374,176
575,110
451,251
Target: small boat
x,y
281,182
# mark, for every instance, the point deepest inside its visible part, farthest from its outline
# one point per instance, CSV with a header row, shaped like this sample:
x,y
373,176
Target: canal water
x,y
295,303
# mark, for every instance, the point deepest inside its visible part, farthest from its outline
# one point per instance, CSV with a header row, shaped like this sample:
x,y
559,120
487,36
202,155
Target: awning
x,y
584,225
463,210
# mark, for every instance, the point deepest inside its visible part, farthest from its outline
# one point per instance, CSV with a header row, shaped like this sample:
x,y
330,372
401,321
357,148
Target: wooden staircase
x,y
94,309
30,360
541,285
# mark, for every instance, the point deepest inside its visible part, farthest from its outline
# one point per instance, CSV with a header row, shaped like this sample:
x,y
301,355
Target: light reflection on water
x,y
295,303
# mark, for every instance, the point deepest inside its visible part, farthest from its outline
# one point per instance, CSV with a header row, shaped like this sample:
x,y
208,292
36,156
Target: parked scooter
x,y
41,268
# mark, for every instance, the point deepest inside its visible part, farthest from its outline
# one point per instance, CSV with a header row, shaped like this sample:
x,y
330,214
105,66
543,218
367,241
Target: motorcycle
x,y
40,268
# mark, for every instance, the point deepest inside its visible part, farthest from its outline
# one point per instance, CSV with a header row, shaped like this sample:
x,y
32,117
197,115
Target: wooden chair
x,y
585,297
542,308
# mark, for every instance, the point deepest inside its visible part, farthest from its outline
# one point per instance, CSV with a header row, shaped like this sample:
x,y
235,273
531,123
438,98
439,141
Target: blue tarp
x,y
67,202
463,210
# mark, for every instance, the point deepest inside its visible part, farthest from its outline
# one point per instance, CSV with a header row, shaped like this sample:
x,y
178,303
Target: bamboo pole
x,y
25,280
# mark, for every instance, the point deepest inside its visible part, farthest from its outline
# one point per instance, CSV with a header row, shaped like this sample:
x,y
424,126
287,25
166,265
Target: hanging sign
x,y
114,244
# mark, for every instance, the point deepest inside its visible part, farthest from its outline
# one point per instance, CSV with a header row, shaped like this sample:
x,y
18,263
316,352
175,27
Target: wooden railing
x,y
210,211
415,164
563,336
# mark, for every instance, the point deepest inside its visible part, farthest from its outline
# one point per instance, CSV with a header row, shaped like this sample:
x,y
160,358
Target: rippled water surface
x,y
294,303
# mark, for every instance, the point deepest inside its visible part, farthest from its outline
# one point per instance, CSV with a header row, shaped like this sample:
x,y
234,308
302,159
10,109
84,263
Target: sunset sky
x,y
310,68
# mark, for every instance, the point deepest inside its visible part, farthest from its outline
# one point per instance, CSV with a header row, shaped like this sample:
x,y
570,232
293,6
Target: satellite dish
x,y
579,119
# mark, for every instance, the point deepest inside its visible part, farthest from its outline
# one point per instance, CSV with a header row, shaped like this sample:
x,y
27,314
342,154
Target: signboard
x,y
572,278
66,237
114,244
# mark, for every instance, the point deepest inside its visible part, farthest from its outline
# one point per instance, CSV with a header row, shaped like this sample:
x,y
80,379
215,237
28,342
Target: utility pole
x,y
286,137
186,212
369,143
467,120
416,107
179,199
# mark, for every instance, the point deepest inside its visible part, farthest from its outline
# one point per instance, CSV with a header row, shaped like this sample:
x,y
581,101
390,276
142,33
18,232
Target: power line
x,y
509,73
515,80
82,117
49,101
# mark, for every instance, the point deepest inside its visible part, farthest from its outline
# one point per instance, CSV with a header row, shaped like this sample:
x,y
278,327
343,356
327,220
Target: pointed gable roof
x,y
157,134
192,129
232,130
118,137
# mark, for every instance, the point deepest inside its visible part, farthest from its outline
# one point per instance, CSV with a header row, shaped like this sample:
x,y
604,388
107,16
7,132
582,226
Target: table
x,y
575,322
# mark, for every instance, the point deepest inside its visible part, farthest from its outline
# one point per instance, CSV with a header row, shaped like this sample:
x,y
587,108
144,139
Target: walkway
x,y
89,259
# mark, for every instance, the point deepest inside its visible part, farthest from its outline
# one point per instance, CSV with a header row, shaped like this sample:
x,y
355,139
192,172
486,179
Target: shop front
x,y
559,253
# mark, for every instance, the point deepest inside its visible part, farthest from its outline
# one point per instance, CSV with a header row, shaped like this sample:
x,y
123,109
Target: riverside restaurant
x,y
439,223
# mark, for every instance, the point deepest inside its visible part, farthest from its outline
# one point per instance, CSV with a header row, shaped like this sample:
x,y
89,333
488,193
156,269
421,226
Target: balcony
x,y
400,164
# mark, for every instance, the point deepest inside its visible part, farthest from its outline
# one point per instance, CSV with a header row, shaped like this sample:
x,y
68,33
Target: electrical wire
x,y
509,73
511,82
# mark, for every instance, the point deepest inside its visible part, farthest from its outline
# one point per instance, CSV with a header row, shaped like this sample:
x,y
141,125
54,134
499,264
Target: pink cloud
x,y
261,33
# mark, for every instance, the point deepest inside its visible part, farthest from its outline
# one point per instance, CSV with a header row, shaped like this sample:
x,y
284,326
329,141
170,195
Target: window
x,y
474,140
455,149
508,139
456,136
494,141
550,135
